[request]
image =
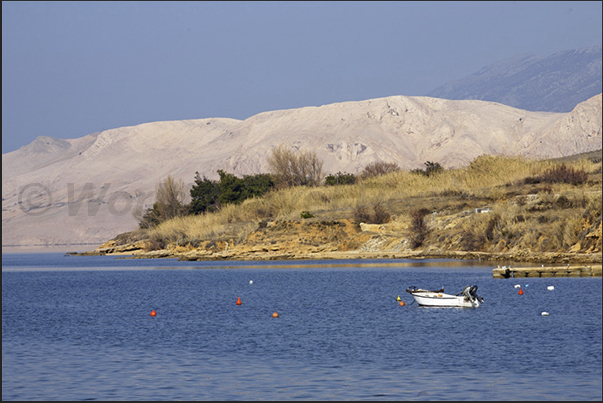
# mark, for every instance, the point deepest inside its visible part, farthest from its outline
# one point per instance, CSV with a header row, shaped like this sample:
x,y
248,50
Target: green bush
x,y
306,214
150,218
205,195
340,179
208,195
431,168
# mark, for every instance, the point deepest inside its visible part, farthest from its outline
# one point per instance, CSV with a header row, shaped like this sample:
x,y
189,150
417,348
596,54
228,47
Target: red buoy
x,y
402,303
520,292
153,313
239,301
275,315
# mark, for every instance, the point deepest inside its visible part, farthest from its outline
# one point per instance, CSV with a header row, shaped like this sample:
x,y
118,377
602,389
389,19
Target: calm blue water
x,y
78,328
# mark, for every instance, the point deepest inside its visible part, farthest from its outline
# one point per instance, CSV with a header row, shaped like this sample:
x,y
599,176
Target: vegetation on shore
x,y
496,204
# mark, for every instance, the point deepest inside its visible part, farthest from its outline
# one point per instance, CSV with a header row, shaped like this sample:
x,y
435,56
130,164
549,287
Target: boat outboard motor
x,y
470,293
466,292
473,292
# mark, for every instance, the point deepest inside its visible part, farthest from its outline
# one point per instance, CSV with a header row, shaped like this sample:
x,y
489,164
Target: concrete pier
x,y
550,271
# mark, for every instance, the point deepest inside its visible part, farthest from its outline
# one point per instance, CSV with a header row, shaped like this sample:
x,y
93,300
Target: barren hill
x,y
84,190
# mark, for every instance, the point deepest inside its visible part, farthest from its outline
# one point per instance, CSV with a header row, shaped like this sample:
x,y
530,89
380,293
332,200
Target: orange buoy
x,y
239,301
153,313
402,303
275,315
520,292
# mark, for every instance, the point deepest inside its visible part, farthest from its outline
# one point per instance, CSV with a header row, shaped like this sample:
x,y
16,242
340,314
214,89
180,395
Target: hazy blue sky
x,y
74,68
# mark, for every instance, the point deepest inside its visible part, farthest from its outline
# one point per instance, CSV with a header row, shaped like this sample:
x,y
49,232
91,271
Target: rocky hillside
x,y
85,190
555,83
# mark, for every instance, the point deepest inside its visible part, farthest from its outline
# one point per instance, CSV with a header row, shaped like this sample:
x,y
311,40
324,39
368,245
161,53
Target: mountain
x,y
85,190
556,83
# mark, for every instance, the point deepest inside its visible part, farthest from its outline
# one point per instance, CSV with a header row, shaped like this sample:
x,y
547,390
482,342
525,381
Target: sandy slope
x,y
87,188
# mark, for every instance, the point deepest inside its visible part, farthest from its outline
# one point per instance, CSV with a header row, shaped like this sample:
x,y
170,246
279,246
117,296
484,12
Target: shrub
x,y
340,179
563,202
169,203
560,174
361,214
257,185
381,215
234,190
149,218
209,196
295,169
431,168
378,169
204,195
419,227
306,214
489,233
565,174
170,196
418,219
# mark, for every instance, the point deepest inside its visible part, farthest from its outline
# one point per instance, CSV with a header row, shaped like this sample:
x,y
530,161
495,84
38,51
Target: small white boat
x,y
465,299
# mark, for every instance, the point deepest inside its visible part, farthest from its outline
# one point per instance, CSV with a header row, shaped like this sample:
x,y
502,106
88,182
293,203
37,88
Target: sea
x,y
80,328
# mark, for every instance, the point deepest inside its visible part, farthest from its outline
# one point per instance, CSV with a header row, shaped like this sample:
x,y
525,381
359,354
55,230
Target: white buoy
x,y
250,281
550,287
545,314
517,286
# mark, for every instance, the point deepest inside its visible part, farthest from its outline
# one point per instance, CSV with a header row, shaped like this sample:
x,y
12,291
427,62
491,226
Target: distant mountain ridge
x,y
84,190
555,83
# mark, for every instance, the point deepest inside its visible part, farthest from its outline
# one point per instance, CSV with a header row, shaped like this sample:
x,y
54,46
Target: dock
x,y
581,270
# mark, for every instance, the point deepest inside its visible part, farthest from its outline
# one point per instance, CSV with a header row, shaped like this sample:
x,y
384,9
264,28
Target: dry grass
x,y
492,180
545,222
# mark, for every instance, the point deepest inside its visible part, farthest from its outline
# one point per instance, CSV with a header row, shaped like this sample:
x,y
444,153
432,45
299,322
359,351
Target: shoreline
x,y
526,258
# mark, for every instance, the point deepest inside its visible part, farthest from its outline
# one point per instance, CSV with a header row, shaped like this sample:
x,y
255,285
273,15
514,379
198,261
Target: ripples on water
x,y
69,334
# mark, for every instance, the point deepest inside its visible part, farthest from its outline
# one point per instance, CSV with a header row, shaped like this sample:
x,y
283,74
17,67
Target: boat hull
x,y
441,300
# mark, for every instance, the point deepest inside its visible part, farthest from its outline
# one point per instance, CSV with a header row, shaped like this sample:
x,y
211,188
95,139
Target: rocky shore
x,y
340,239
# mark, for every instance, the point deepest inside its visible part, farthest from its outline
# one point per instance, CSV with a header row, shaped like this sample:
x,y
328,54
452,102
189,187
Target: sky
x,y
74,68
